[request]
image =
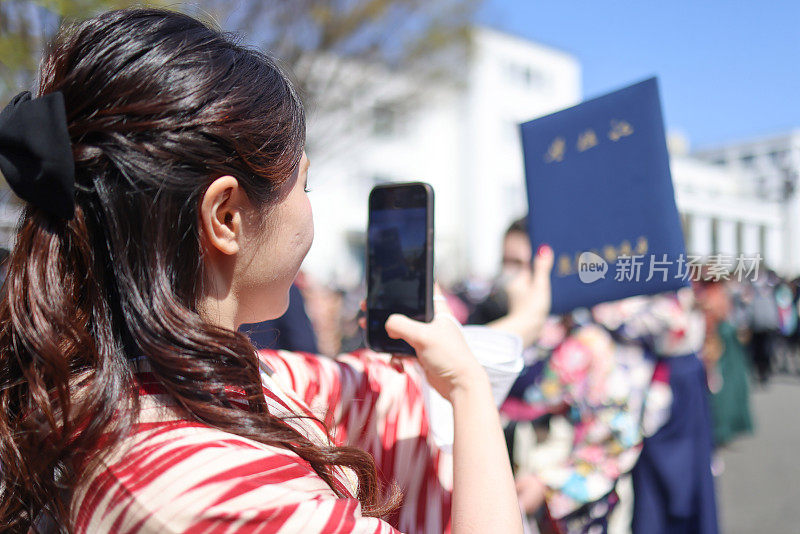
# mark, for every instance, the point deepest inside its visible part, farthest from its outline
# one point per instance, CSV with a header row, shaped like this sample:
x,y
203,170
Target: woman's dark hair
x,y
158,106
518,226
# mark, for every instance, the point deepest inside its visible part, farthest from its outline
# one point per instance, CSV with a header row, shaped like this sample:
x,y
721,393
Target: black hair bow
x,y
36,154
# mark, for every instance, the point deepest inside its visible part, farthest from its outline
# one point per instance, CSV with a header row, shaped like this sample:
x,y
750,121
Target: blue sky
x,y
728,70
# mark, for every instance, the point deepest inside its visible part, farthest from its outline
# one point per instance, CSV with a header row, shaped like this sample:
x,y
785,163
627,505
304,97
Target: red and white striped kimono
x,y
175,475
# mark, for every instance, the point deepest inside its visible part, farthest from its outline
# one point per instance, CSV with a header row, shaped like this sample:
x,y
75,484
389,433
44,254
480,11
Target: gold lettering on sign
x,y
587,140
556,151
609,253
619,129
564,265
641,245
568,265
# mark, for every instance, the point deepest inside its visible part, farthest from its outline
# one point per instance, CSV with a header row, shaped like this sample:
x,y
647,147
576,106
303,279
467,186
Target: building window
x,y
778,157
789,183
748,159
714,236
740,237
686,223
525,76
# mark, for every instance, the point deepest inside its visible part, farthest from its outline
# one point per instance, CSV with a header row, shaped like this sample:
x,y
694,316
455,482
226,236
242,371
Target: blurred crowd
x,y
763,310
629,398
764,315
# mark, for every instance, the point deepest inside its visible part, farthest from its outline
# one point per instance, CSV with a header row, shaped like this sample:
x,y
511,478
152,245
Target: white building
x,y
721,217
771,166
464,141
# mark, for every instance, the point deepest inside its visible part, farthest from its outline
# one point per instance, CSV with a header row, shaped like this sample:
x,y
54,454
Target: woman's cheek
x,y
309,224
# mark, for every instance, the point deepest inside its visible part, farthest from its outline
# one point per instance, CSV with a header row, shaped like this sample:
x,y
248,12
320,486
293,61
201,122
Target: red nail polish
x,y
543,249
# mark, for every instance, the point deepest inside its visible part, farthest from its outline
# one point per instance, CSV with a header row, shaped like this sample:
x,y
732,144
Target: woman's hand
x,y
441,349
529,299
484,499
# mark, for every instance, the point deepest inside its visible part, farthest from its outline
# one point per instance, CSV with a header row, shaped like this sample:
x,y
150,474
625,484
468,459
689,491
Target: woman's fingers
x,y
542,265
401,327
439,301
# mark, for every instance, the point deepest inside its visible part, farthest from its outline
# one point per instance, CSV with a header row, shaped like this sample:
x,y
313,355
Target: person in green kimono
x,y
726,365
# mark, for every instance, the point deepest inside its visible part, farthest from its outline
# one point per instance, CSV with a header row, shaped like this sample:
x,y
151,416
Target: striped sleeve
x,y
369,401
183,477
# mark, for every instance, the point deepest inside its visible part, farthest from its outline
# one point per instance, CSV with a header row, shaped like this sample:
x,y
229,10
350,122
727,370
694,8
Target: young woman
x,y
164,174
726,364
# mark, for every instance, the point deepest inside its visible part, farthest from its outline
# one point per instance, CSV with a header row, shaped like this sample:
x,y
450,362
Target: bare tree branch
x,y
351,57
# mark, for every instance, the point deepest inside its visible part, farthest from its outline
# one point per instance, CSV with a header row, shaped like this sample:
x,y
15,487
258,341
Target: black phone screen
x,y
399,277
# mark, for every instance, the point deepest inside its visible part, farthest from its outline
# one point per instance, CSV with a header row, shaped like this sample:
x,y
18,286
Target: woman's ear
x,y
221,215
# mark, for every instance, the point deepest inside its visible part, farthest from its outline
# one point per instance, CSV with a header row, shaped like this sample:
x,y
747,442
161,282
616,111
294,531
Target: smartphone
x,y
399,260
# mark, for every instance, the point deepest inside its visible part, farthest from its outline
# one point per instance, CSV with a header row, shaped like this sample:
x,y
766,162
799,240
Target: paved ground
x,y
759,490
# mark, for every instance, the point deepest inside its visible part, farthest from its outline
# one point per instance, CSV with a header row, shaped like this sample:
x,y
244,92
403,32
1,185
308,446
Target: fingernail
x,y
543,249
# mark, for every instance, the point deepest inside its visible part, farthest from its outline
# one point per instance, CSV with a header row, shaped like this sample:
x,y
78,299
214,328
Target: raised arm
x,y
484,496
